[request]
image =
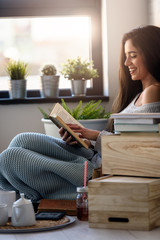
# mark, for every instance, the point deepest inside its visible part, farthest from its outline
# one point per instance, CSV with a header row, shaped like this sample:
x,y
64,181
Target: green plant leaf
x,y
75,69
17,70
91,110
77,111
65,106
45,115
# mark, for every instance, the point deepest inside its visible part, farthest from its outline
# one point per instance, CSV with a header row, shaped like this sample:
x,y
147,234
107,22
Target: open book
x,y
60,117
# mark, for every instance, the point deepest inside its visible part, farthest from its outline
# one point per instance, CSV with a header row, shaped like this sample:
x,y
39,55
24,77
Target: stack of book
x,y
136,122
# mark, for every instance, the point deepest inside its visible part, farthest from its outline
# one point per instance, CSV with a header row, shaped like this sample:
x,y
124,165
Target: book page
x,y
64,115
61,117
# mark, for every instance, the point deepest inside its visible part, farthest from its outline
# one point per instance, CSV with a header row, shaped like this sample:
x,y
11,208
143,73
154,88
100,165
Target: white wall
x,y
122,15
18,118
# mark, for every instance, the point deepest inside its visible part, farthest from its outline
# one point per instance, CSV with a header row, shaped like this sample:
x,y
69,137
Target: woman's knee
x,y
30,140
19,140
6,157
12,157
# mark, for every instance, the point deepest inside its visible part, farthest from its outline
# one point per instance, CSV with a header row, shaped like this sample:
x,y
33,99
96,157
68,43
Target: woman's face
x,y
134,61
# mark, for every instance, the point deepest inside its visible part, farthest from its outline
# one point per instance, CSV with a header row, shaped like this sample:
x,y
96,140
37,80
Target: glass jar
x,y
82,203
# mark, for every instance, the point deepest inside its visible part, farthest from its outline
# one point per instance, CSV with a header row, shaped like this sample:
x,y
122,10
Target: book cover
x,y
60,117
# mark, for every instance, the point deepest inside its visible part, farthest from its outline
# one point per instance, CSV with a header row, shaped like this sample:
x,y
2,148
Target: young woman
x,y
139,78
44,167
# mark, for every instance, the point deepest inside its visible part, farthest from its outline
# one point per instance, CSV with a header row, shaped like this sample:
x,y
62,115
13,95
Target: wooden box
x,y
120,202
131,154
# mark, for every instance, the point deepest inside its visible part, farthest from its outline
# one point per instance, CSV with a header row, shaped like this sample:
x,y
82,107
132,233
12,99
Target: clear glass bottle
x,y
82,203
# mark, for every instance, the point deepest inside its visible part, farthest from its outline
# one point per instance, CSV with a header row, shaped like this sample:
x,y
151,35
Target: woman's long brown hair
x,y
147,40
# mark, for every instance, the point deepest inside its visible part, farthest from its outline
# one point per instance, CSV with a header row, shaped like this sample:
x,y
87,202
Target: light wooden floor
x,y
81,231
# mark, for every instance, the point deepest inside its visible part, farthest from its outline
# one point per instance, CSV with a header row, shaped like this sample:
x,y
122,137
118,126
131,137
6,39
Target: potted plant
x,y
78,72
18,71
91,115
50,81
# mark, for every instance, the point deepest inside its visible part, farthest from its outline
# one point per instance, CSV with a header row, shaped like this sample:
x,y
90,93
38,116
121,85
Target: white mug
x,y
3,214
8,197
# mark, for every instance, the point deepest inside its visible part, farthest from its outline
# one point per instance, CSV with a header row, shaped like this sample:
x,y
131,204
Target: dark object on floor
x,y
52,205
49,215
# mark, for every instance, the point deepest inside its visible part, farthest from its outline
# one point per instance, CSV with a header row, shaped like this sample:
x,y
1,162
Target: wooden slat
x,y
131,154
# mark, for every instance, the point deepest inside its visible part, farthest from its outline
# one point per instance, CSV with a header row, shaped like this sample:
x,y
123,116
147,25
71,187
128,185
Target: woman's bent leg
x,y
40,176
46,145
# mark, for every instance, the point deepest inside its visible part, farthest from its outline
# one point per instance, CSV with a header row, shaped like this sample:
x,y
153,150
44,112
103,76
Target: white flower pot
x,y
95,124
50,128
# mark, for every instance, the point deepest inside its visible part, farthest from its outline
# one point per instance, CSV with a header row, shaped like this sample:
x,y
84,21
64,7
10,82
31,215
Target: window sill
x,y
38,99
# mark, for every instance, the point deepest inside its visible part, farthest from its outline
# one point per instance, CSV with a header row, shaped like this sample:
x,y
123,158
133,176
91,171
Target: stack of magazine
x,y
136,122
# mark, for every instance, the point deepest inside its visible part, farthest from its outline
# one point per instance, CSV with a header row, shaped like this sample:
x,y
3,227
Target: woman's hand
x,y
67,137
88,134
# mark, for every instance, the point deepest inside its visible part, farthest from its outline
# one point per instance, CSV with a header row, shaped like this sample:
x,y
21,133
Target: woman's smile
x,y
132,70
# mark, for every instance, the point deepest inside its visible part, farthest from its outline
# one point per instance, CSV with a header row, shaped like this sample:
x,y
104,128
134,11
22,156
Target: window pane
x,y
44,40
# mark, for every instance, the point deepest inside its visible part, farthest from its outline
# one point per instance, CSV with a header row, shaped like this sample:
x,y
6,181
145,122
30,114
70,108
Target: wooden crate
x,y
120,202
131,154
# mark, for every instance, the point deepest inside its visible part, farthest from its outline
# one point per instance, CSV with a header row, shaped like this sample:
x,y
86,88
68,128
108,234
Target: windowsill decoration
x,y
78,72
50,81
18,71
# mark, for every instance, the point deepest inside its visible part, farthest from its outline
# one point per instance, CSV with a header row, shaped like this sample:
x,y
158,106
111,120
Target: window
x,y
40,41
41,32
